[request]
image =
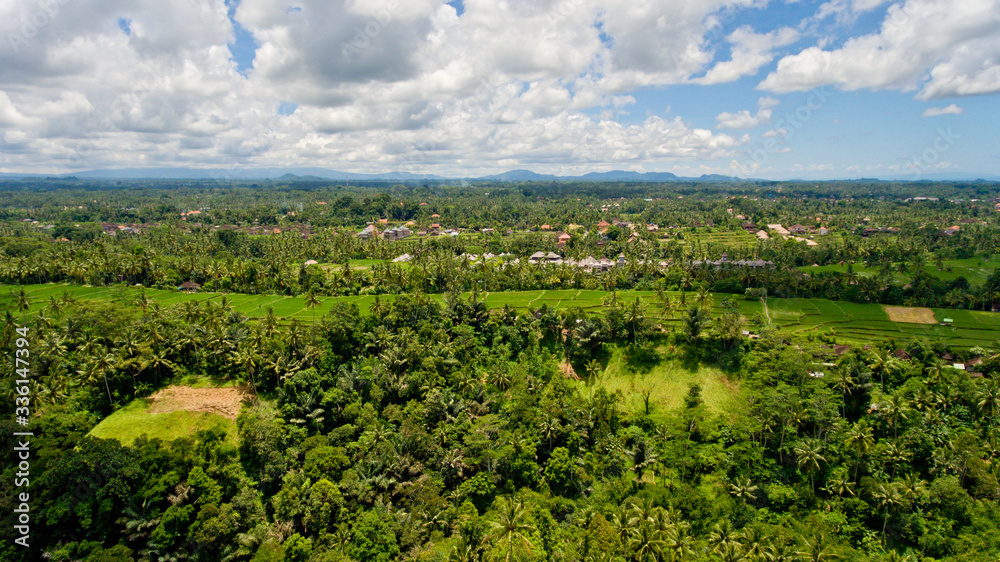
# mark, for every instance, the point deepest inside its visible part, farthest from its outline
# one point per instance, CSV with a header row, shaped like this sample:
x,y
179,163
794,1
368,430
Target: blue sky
x,y
751,88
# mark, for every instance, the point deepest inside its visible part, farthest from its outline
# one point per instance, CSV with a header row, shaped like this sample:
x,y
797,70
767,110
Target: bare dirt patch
x,y
567,371
225,402
910,315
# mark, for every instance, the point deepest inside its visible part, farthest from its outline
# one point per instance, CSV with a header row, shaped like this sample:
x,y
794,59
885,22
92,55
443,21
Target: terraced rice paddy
x,y
847,322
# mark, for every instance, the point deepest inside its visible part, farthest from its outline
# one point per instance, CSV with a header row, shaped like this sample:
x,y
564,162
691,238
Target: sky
x,y
777,89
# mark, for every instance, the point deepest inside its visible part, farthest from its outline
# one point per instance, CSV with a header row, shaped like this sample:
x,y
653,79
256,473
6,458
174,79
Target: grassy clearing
x,y
134,420
668,383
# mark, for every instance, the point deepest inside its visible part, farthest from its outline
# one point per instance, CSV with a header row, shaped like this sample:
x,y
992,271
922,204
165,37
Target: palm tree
x,y
840,483
722,534
645,541
888,495
742,489
894,410
883,362
510,529
988,398
312,301
845,382
934,371
635,314
808,457
860,438
704,300
23,301
817,550
678,543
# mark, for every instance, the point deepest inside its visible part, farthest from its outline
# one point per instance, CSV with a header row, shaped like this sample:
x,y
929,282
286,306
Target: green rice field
x,y
975,270
847,322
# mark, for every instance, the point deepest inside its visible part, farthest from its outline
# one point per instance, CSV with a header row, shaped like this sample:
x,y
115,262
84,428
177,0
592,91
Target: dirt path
x,y
226,402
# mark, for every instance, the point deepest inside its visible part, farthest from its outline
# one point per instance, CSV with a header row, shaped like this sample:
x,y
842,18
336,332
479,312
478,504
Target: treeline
x,y
901,271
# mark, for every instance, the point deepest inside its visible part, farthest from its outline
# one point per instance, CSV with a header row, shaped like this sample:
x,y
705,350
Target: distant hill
x,y
519,175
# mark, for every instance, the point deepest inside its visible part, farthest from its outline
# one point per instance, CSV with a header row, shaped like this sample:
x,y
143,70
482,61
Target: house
x,y
189,286
564,238
951,230
397,233
487,231
603,224
546,227
537,257
797,229
368,233
652,227
403,258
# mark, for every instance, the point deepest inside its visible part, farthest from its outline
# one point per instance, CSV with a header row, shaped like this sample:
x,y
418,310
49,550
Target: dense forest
x,y
420,431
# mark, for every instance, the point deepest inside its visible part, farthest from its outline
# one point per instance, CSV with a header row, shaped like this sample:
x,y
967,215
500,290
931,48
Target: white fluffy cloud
x,y
744,119
750,52
382,84
948,110
378,83
940,47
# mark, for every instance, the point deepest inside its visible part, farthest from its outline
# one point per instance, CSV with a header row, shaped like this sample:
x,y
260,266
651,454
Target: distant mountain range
x,y
324,174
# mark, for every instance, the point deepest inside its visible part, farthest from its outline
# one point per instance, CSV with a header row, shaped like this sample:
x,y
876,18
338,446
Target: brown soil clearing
x,y
226,402
567,371
910,315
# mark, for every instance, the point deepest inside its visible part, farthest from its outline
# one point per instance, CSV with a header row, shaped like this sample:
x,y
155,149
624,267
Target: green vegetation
x,y
712,398
841,322
134,420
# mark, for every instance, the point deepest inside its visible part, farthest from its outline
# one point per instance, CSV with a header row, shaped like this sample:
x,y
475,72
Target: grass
x,y
668,382
975,270
849,323
731,238
134,420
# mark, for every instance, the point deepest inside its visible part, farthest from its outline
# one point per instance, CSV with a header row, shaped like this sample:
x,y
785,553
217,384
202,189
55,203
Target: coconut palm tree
x,y
808,456
511,529
860,438
888,495
312,301
817,550
988,399
742,489
23,300
840,483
